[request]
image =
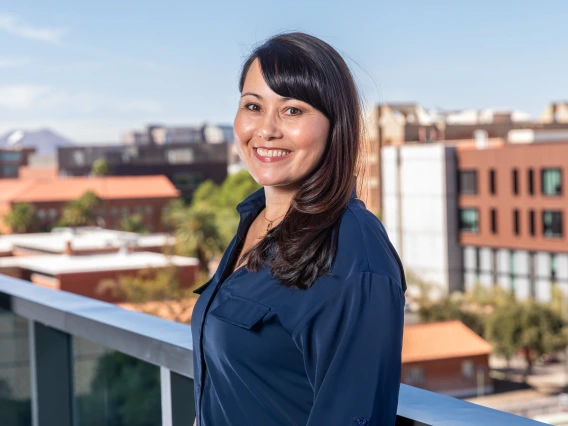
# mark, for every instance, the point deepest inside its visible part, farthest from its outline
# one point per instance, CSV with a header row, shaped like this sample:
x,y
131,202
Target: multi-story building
x,y
400,124
164,135
513,217
462,215
185,165
120,197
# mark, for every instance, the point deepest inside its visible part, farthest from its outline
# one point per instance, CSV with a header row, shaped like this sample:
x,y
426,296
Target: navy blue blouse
x,y
265,354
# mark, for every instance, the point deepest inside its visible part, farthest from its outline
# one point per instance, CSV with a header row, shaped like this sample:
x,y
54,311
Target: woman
x,y
302,322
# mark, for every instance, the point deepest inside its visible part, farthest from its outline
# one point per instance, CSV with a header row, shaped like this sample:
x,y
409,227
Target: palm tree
x,y
100,168
82,211
22,218
196,232
133,223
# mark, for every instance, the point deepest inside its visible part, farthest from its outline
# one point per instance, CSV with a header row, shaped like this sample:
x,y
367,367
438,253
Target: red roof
x,y
71,188
441,340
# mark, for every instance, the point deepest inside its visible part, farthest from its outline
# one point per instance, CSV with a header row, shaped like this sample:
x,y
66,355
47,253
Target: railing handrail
x,y
169,344
147,337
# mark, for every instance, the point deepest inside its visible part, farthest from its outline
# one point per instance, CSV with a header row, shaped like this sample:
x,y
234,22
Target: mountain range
x,y
45,141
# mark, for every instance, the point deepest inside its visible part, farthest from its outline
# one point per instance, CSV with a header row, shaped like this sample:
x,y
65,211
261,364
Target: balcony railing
x,y
86,360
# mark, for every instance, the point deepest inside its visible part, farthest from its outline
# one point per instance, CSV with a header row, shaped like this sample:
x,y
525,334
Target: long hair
x,y
302,247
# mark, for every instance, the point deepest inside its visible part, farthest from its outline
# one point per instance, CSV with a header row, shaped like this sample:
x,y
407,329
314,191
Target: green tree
x,y
100,167
154,285
22,218
196,232
82,211
133,223
452,307
529,326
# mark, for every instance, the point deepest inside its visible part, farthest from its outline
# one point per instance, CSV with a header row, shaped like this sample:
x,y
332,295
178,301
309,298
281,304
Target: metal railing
x,y
55,317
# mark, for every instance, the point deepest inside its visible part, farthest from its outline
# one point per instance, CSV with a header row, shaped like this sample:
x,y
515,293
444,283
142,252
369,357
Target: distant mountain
x,y
45,141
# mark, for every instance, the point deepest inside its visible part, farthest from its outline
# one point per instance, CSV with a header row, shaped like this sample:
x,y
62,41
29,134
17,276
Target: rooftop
x,y
81,239
71,188
429,341
64,264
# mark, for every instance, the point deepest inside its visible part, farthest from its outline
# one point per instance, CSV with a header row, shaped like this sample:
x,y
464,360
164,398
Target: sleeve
x,y
351,346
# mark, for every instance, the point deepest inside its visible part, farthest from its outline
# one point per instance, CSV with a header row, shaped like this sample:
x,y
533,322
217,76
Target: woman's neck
x,y
277,202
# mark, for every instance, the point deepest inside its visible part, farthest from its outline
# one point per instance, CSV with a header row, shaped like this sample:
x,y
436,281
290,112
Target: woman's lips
x,y
270,159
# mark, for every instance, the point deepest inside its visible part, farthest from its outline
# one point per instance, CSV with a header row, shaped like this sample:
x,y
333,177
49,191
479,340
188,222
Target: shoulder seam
x,y
306,315
362,235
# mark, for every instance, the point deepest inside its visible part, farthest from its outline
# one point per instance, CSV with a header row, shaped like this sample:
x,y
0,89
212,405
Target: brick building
x,y
461,215
446,357
121,197
400,124
83,274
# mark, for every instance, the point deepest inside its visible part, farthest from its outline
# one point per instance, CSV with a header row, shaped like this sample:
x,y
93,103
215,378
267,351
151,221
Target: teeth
x,y
271,152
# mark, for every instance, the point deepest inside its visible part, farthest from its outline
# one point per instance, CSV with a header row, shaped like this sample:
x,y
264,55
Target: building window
x,y
469,220
149,210
415,375
124,211
515,182
11,157
53,213
551,182
114,211
516,224
9,171
467,369
468,182
41,214
492,185
531,181
493,221
532,228
138,210
552,223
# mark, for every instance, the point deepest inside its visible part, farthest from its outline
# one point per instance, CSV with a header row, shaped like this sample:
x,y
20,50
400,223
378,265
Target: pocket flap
x,y
240,311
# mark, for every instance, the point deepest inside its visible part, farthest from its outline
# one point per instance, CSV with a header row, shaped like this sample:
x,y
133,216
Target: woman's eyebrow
x,y
282,98
251,94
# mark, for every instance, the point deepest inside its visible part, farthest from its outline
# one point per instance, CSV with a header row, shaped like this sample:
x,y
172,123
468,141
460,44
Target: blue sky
x,y
91,71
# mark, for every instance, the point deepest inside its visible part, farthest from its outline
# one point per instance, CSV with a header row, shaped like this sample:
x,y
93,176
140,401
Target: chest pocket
x,y
240,311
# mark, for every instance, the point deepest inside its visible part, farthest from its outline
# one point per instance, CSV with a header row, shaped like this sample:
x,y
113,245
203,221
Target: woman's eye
x,y
252,107
294,111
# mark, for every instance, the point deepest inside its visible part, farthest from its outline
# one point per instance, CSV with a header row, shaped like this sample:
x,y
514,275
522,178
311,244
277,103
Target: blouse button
x,y
362,421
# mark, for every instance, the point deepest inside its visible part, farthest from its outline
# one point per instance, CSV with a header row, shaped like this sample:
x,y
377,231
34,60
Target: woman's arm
x,y
352,347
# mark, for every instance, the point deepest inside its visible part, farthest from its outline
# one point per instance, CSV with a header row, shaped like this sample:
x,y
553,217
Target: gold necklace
x,y
270,221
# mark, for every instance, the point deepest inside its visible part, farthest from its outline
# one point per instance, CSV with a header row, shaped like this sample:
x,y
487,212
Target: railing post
x,y
177,398
51,371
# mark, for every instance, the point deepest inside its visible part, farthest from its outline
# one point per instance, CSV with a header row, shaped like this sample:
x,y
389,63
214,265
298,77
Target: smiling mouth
x,y
272,152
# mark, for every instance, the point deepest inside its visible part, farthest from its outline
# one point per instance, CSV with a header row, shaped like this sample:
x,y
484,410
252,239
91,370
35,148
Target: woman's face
x,y
268,125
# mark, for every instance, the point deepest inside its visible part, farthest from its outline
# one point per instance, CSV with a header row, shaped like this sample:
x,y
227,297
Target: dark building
x,y
185,165
12,159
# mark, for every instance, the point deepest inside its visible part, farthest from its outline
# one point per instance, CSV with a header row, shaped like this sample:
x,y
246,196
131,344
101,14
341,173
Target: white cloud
x,y
6,63
37,99
15,26
21,97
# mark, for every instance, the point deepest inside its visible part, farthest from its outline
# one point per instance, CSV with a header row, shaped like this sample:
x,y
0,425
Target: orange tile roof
x,y
26,172
441,340
71,188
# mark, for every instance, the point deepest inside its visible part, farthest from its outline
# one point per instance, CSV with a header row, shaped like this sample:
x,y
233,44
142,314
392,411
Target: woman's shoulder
x,y
364,246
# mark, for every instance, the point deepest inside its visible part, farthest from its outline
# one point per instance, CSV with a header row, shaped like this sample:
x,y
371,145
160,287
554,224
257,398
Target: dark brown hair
x,y
302,247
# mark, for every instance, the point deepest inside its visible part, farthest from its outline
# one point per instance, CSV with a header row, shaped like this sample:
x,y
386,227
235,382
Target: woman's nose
x,y
269,128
